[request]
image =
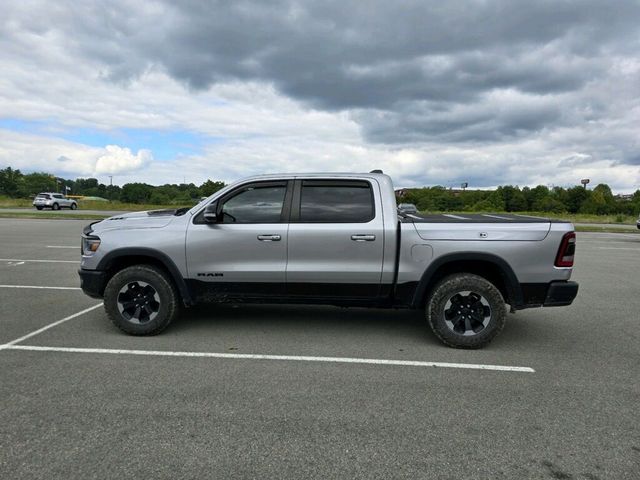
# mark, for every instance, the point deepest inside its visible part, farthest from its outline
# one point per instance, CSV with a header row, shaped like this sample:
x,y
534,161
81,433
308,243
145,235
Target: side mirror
x,y
211,213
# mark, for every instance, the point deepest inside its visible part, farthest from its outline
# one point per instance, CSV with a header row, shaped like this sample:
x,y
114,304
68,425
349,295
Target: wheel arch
x,y
491,267
118,259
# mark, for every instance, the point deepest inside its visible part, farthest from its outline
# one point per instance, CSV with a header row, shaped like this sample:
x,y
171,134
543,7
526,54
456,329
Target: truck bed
x,y
480,226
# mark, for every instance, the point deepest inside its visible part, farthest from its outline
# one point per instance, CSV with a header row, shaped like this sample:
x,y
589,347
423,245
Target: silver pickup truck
x,y
334,239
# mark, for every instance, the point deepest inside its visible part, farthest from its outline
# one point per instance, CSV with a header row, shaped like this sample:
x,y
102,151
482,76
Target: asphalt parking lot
x,y
82,400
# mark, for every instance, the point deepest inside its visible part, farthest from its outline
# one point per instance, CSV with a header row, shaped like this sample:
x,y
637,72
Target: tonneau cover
x,y
473,218
479,226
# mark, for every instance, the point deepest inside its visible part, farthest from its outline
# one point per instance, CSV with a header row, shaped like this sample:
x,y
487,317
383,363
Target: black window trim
x,y
198,218
328,182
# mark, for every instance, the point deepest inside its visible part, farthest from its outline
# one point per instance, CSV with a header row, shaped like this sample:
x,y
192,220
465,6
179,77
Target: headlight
x,y
90,244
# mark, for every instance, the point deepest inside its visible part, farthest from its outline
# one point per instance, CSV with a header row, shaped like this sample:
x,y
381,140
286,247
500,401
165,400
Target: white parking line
x,y
64,246
294,358
40,287
619,248
37,261
496,216
47,327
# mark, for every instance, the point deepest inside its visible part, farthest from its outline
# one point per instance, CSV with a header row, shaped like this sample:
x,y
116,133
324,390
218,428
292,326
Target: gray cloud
x,y
563,74
412,63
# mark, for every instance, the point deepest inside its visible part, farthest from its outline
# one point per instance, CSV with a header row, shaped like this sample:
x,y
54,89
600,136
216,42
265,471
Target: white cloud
x,y
49,154
118,160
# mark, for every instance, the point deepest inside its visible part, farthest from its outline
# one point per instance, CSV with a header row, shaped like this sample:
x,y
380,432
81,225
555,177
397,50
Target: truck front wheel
x,y
141,300
466,311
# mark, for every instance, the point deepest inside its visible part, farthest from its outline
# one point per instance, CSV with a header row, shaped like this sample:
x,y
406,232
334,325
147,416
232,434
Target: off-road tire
x,y
445,291
55,206
169,299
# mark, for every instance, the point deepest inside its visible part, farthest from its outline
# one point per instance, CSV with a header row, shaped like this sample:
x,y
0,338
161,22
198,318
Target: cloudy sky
x,y
432,92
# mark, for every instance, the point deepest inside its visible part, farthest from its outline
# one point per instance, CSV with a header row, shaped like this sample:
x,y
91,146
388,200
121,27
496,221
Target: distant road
x,y
608,225
64,211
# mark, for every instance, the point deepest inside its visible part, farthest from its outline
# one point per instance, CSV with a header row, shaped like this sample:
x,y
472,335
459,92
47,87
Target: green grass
x,y
6,202
586,218
129,207
584,228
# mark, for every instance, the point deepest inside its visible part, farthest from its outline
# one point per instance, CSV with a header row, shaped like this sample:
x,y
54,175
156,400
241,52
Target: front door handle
x,y
363,238
269,238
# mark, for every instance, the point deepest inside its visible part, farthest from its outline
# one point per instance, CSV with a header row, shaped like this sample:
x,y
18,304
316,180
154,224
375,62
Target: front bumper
x,y
93,282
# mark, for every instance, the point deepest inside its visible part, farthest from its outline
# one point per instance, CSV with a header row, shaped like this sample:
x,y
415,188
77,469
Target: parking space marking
x,y
619,248
40,287
47,327
63,246
246,356
37,261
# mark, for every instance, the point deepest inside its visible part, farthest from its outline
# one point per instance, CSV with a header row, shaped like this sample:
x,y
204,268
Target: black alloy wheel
x,y
142,300
467,313
465,310
138,302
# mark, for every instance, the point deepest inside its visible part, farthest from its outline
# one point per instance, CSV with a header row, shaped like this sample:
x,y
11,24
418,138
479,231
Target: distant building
x,y
625,197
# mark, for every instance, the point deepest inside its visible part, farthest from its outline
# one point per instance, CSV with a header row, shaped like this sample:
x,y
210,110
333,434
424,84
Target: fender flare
x,y
511,282
106,262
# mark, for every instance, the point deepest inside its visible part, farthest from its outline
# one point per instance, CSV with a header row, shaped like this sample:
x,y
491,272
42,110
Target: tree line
x,y
599,200
15,184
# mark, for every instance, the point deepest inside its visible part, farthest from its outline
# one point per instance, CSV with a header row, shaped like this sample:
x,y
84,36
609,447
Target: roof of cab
x,y
316,175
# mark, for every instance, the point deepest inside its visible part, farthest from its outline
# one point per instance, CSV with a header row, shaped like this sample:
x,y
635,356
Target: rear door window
x,y
336,201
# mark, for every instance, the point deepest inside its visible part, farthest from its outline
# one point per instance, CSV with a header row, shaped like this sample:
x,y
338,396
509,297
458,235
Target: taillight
x,y
567,250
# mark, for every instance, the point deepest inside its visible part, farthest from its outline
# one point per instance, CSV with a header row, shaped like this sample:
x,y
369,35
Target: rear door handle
x,y
269,238
363,238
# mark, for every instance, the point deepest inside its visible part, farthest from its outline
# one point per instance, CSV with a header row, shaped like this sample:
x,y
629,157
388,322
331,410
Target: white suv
x,y
54,201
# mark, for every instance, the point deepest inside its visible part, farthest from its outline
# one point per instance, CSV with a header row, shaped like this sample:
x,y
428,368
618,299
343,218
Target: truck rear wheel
x,y
141,300
466,311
